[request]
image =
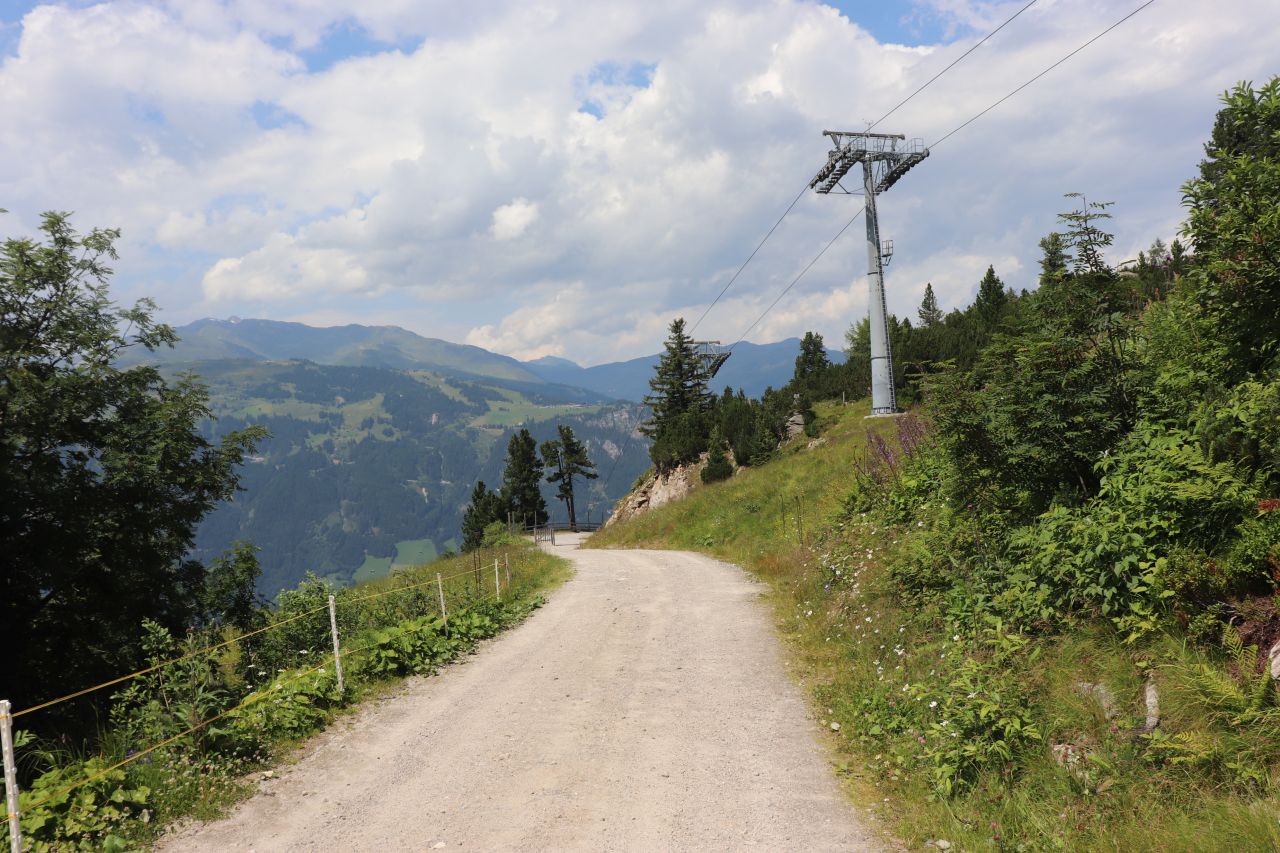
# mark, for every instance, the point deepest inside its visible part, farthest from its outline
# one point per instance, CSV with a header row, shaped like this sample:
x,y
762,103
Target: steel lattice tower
x,y
885,158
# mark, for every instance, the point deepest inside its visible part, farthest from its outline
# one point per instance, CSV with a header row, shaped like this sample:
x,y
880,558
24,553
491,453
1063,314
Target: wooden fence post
x,y
443,613
10,775
337,651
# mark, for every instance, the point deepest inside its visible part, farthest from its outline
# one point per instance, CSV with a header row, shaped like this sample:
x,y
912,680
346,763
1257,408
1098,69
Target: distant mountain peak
x,y
351,345
554,361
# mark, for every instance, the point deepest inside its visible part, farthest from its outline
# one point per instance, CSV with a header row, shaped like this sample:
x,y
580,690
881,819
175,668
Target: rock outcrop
x,y
656,491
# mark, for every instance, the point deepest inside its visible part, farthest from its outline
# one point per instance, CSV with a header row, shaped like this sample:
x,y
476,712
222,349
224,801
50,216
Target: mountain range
x,y
752,367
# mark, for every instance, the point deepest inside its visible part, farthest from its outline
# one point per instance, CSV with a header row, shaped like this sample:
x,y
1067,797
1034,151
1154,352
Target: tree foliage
x,y
929,313
485,508
565,458
521,478
104,474
1114,450
678,403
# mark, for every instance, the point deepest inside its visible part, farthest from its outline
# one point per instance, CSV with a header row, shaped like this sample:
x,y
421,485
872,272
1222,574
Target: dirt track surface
x,y
644,708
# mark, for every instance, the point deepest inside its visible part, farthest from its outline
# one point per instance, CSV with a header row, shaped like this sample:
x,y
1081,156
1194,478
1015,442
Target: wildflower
x,y
933,704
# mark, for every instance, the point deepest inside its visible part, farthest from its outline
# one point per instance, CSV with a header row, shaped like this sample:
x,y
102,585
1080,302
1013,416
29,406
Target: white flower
x,y
933,704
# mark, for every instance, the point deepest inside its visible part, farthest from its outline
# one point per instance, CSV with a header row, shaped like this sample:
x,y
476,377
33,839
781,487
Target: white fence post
x,y
506,559
10,775
337,652
443,612
553,532
497,584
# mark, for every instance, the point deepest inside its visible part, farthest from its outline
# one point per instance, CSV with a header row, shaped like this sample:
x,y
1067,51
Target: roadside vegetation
x,y
241,697
1039,608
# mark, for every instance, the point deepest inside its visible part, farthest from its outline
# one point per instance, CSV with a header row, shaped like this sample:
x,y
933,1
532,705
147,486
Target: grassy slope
x,y
845,646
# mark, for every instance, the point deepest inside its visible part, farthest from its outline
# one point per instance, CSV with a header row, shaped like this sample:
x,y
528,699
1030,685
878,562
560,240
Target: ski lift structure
x,y
712,354
885,158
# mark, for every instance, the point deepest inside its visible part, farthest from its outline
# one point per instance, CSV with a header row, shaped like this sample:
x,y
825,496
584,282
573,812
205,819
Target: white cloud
x,y
626,157
283,268
512,220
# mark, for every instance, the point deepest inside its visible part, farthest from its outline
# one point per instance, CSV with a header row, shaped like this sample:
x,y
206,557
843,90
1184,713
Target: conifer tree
x,y
930,314
566,458
718,466
1053,260
679,403
991,298
485,508
812,360
521,480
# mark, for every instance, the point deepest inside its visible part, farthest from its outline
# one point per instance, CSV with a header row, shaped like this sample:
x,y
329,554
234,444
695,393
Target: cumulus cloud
x,y
282,269
564,178
512,220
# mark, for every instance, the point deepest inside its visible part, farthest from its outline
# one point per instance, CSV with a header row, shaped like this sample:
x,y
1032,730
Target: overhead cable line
x,y
940,140
954,63
1042,73
799,276
805,188
754,251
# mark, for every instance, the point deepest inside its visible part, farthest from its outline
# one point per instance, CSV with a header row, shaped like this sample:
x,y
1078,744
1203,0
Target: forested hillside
x,y
365,468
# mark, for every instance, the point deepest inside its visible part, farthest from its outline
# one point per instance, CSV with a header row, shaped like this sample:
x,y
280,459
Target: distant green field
x,y
372,568
409,552
509,413
415,552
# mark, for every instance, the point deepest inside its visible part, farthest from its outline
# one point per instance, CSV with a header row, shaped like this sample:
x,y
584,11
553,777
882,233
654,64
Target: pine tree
x,y
991,298
521,480
1053,260
566,458
930,314
679,403
718,466
812,361
485,508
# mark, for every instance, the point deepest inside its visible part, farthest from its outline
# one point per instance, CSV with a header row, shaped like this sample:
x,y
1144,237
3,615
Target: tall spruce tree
x,y
522,478
485,508
929,313
812,361
566,458
679,403
1053,258
991,298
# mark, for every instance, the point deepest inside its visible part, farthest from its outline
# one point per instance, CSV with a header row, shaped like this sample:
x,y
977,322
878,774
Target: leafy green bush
x,y
414,646
496,535
292,705
983,723
90,817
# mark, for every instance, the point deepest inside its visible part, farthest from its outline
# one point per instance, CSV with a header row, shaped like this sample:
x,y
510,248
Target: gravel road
x,y
645,707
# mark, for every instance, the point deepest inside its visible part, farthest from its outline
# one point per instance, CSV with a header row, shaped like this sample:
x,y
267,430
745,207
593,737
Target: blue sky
x,y
564,178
